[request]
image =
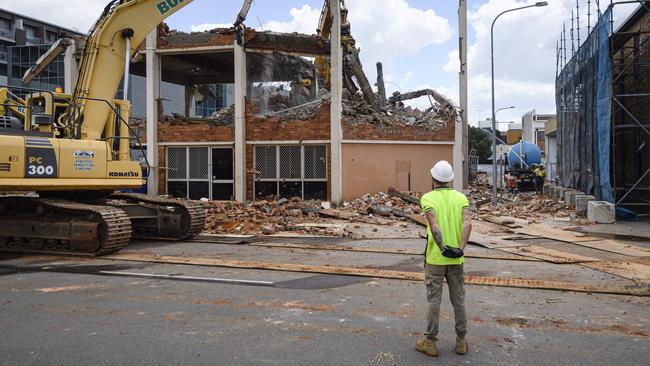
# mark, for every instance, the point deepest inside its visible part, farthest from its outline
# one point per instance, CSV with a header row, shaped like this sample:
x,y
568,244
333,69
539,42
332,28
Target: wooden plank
x,y
403,196
499,220
616,247
638,272
548,254
345,248
553,233
380,273
344,215
583,240
418,219
492,241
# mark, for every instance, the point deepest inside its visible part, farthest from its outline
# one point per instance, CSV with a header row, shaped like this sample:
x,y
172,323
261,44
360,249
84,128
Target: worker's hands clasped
x,y
451,252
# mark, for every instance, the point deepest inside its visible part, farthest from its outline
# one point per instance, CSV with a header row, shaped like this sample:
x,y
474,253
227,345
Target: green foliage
x,y
480,140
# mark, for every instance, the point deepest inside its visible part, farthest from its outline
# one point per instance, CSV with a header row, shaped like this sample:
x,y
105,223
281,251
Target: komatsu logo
x,y
124,174
167,5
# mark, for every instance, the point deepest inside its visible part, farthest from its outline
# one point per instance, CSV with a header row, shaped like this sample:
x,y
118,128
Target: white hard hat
x,y
442,172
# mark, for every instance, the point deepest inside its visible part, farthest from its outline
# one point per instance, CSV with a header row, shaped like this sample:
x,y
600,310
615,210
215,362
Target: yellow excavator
x,y
74,152
352,67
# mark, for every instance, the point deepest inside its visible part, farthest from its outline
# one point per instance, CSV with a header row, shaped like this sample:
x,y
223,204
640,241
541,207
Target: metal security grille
x,y
266,161
192,172
199,162
176,163
290,162
316,162
291,171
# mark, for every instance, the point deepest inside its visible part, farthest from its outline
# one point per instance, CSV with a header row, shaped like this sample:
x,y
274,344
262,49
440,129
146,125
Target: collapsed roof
x,y
285,80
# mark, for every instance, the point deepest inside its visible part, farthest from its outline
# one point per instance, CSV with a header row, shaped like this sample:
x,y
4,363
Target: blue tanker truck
x,y
522,158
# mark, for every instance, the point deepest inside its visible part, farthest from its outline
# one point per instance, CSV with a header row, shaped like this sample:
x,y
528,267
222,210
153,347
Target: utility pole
x,y
462,83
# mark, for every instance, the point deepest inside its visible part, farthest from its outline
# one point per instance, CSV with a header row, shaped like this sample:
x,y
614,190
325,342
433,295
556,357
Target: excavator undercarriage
x,y
63,226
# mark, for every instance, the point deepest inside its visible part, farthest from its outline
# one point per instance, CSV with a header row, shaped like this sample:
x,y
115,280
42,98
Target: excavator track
x,y
57,226
192,215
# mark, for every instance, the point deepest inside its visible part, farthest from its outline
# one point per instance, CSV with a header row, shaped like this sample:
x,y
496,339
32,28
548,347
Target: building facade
x,y
533,127
23,40
273,136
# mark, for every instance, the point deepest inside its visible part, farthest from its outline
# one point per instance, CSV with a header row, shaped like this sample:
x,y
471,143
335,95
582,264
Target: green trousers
x,y
434,276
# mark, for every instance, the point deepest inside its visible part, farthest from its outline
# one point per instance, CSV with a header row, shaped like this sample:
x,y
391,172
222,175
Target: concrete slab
x,y
581,202
601,212
548,188
570,197
559,192
563,197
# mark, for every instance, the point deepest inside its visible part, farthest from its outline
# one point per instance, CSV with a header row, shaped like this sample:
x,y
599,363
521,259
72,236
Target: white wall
x,y
551,158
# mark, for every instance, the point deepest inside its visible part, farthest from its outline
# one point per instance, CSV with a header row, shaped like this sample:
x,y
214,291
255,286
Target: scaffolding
x,y
603,104
630,46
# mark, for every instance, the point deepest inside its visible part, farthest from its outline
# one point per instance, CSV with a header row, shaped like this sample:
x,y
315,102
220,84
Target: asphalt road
x,y
74,313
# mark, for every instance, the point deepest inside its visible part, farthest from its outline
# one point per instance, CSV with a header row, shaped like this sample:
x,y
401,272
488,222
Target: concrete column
x,y
153,95
336,71
70,68
462,83
457,154
240,123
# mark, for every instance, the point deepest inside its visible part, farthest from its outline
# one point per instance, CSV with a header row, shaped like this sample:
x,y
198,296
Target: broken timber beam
x,y
403,196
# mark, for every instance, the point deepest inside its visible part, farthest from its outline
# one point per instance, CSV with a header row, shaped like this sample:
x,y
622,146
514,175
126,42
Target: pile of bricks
x,y
275,215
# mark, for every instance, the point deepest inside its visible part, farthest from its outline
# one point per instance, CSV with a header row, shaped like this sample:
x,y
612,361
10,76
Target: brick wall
x,y
403,133
162,173
262,129
270,129
195,132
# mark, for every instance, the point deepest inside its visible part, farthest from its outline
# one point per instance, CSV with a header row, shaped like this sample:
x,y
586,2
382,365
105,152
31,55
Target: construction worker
x,y
448,229
540,175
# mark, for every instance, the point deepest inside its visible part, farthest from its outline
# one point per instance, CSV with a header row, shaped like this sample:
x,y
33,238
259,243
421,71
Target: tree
x,y
480,140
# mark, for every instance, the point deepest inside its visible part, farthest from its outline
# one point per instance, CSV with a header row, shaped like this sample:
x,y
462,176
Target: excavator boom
x,y
102,63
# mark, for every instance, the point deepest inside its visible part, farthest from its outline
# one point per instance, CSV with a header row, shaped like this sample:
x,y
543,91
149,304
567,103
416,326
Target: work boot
x,y
427,346
461,345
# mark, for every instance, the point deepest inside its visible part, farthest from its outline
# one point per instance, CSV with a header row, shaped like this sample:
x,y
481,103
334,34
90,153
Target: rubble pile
x,y
356,111
534,208
270,216
224,116
529,205
480,189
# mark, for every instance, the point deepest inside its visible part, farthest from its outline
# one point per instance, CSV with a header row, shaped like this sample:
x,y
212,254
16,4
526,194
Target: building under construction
x,y
602,93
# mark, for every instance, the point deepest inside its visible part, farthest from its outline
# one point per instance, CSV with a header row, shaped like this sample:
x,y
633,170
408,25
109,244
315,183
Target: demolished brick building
x,y
251,118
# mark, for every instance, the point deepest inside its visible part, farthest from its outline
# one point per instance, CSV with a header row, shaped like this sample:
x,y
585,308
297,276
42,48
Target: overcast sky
x,y
417,40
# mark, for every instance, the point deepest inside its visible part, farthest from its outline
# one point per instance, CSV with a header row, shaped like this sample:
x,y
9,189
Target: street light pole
x,y
494,125
498,172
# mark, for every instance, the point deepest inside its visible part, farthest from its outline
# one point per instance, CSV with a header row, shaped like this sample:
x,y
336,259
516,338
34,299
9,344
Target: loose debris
x,y
274,215
531,207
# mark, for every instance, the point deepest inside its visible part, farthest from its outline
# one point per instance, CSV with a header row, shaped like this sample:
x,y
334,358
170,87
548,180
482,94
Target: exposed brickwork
x,y
271,129
404,133
162,173
249,175
195,132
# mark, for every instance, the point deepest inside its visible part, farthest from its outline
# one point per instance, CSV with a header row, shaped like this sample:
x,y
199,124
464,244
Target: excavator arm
x,y
351,61
123,24
11,102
